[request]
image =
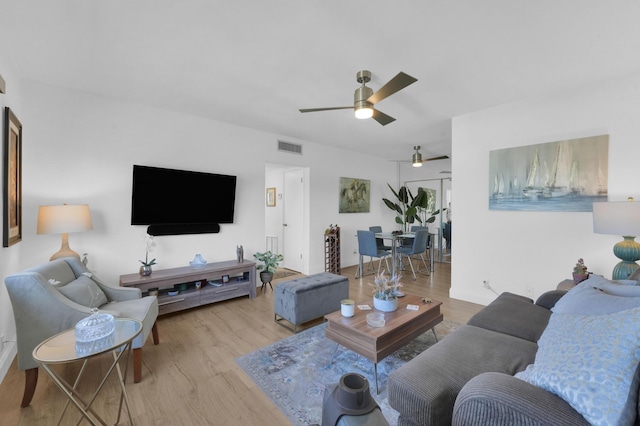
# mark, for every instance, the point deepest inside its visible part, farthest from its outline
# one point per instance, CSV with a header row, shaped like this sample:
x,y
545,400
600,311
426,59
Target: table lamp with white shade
x,y
620,218
63,220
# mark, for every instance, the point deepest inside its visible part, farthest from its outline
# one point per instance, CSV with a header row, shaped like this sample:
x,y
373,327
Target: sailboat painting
x,y
568,175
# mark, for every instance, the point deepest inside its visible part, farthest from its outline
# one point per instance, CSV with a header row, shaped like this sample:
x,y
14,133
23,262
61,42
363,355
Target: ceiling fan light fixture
x,y
364,112
363,108
416,160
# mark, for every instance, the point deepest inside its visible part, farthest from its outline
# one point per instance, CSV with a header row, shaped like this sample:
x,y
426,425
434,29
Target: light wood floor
x,y
191,377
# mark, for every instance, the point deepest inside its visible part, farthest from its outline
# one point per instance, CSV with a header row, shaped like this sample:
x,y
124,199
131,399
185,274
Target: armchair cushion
x,y
83,291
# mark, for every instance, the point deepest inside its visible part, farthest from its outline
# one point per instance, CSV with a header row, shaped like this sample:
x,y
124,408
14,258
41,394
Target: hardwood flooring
x,y
191,377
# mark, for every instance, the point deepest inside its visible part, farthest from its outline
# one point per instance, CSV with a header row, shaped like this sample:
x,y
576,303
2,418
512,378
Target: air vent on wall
x,y
289,147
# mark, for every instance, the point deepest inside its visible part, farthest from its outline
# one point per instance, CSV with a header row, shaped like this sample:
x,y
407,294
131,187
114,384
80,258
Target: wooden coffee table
x,y
376,343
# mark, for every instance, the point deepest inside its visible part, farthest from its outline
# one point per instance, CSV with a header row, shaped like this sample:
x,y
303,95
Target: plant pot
x,y
385,305
578,278
145,271
266,277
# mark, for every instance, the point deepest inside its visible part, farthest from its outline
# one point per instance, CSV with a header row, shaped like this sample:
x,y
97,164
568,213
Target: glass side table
x,y
62,349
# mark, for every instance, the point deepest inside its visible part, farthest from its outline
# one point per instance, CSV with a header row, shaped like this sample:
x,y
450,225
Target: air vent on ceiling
x,y
289,147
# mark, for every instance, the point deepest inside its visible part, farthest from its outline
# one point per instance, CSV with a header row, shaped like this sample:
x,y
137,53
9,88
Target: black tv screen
x,y
168,197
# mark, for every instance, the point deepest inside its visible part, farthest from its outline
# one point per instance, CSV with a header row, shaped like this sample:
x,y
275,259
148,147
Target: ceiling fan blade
x,y
442,157
382,118
394,85
324,109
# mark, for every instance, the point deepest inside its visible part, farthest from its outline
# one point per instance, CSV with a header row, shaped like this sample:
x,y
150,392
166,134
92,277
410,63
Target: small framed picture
x,y
271,197
225,278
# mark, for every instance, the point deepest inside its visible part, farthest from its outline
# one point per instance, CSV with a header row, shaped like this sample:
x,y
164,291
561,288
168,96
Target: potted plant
x,y
409,208
270,262
385,294
145,269
580,272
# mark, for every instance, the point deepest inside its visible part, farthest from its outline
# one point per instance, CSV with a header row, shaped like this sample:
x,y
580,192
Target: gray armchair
x,y
54,296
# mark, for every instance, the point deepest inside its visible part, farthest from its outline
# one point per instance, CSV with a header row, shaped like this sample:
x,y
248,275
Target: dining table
x,y
396,238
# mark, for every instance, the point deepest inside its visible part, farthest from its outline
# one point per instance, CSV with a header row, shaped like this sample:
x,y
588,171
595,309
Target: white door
x,y
293,220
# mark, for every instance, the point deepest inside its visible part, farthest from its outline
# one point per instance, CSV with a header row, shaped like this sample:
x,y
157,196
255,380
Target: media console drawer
x,y
232,279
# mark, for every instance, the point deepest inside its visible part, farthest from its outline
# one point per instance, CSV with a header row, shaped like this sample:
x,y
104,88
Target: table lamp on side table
x,y
620,218
63,220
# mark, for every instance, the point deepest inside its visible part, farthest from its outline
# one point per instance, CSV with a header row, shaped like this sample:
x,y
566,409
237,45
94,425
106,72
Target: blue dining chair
x,y
379,241
367,247
418,248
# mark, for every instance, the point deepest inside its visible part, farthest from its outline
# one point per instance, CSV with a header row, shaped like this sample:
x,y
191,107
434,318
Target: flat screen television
x,y
181,197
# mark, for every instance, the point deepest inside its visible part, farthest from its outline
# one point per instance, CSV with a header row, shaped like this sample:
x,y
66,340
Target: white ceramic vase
x,y
385,305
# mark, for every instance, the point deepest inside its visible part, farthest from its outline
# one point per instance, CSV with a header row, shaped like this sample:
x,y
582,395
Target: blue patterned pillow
x,y
590,361
587,299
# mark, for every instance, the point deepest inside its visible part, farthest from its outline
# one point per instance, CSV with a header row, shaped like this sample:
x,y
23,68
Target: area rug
x,y
294,372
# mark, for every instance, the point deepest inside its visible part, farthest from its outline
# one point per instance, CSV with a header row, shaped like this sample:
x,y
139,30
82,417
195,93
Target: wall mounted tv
x,y
181,201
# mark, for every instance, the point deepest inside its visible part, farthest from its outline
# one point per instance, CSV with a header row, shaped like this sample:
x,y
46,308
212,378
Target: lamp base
x,y
65,250
628,251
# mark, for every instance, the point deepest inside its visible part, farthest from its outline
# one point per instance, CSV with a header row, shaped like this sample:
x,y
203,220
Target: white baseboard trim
x,y
6,358
480,299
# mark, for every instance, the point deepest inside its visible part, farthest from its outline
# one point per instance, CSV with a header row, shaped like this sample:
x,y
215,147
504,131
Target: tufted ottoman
x,y
307,298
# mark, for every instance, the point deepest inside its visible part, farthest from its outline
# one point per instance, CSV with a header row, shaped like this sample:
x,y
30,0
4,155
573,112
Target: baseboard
x,y
6,359
479,299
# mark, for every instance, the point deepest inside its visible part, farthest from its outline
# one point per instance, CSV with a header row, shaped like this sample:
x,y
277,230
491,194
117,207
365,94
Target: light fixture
x,y
363,108
620,218
417,157
364,112
63,220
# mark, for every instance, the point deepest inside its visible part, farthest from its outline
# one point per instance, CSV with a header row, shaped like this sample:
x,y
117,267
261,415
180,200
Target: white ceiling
x,y
255,62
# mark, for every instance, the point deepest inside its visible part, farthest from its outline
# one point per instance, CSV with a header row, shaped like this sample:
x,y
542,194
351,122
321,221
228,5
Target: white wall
x,y
80,148
8,256
515,250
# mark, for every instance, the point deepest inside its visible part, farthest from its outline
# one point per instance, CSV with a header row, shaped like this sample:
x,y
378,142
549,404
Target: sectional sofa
x,y
570,358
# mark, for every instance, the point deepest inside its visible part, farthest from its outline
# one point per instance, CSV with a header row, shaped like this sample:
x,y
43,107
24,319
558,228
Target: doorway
x,y
286,221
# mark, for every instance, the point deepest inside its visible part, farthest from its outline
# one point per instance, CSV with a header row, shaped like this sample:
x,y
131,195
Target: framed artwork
x,y
568,175
271,197
12,186
354,195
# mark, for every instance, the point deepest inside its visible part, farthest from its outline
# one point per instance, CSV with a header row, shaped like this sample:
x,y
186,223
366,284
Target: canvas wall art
x,y
568,175
354,195
12,187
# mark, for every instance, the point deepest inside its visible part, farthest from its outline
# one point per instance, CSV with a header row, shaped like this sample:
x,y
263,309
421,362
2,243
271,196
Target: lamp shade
x,y
63,219
617,218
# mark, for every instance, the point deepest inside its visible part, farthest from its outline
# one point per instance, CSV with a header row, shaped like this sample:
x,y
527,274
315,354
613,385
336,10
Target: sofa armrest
x,y
118,294
550,298
499,399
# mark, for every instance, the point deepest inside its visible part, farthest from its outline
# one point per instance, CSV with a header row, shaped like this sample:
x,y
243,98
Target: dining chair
x,y
418,248
367,246
379,241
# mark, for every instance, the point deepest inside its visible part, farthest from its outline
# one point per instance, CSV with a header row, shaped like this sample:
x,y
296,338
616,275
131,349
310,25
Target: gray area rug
x,y
294,372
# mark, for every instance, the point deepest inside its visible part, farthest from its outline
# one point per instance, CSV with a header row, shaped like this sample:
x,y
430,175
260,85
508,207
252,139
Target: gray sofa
x,y
467,378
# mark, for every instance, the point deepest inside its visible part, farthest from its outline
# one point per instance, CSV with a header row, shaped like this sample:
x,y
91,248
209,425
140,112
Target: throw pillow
x,y
84,292
626,288
590,361
586,299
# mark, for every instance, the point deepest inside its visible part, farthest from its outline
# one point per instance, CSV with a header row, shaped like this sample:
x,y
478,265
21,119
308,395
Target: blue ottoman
x,y
307,298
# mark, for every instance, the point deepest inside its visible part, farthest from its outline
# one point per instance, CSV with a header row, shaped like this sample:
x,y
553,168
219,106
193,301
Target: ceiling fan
x,y
416,159
365,99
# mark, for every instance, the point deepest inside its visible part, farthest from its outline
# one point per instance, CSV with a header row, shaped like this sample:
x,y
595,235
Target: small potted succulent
x,y
580,272
385,292
270,262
